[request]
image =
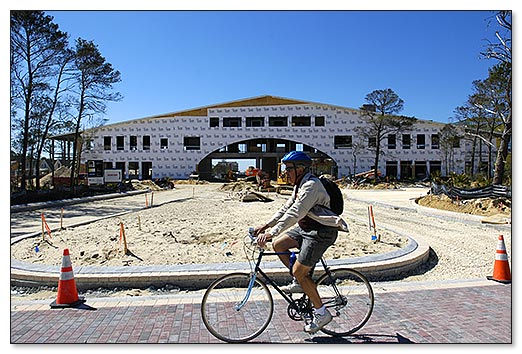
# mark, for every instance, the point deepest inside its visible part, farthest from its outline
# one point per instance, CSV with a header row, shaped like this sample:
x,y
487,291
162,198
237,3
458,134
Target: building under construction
x,y
263,129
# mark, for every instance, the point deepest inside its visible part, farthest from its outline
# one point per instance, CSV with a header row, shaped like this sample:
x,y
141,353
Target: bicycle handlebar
x,y
253,239
251,233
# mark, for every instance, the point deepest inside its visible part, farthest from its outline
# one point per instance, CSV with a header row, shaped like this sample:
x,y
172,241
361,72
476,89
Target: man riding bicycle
x,y
317,229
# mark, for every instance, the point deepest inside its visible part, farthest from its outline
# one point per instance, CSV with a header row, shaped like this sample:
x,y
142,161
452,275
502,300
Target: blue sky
x,y
176,60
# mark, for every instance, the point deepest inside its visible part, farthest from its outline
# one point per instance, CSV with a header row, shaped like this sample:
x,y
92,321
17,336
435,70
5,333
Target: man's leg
x,y
321,315
284,243
302,274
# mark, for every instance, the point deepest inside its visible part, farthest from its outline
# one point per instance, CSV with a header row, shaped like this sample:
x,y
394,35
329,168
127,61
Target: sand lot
x,y
194,227
208,228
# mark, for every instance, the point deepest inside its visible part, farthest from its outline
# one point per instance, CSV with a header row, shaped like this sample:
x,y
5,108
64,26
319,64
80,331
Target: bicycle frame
x,y
258,271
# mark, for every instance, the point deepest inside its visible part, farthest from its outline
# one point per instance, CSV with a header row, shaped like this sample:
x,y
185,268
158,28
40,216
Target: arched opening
x,y
263,154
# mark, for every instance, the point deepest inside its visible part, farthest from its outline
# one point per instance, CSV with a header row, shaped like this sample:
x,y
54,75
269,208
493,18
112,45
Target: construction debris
x,y
481,206
244,191
145,184
190,181
238,186
255,197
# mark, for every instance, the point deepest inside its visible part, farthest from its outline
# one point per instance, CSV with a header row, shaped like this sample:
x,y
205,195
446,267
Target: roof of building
x,y
266,100
246,102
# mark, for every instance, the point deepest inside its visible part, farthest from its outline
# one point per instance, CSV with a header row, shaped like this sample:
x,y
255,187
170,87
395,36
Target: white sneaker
x,y
318,322
292,288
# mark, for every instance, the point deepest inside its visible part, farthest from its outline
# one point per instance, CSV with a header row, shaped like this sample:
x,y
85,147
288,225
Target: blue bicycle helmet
x,y
297,157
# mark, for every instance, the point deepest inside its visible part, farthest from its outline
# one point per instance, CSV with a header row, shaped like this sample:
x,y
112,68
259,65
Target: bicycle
x,y
238,307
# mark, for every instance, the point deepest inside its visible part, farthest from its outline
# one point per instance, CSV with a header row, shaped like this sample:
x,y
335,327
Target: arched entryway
x,y
266,153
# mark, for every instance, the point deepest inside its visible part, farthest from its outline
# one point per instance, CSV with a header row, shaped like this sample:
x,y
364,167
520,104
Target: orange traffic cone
x,y
501,272
67,293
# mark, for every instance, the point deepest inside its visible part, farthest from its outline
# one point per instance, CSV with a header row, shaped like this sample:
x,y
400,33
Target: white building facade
x,y
179,144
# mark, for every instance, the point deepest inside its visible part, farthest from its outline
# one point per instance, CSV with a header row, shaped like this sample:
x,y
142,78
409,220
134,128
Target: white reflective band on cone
x,y
67,275
66,262
501,257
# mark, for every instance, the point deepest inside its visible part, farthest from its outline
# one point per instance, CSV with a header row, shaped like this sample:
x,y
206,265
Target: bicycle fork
x,y
251,283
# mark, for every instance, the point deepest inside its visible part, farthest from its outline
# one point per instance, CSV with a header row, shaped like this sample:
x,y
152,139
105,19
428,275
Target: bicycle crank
x,y
303,308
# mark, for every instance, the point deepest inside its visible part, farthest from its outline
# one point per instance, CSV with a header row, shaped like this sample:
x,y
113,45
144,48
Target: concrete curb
x,y
195,276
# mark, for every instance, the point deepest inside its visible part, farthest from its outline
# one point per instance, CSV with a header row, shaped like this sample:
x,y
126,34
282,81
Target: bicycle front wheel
x,y
232,317
348,296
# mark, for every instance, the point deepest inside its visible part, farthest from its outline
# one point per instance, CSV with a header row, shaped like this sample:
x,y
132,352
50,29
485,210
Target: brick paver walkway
x,y
467,312
476,311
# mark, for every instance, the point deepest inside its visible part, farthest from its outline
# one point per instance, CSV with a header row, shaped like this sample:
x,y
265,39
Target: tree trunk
x,y
23,157
76,137
49,122
472,162
73,158
502,153
25,139
474,151
37,170
27,117
491,138
376,166
490,160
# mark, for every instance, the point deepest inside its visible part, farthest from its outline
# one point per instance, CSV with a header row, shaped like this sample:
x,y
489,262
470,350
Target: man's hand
x,y
259,230
263,239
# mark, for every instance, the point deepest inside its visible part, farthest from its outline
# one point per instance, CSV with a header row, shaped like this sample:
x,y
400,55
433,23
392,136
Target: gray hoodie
x,y
312,200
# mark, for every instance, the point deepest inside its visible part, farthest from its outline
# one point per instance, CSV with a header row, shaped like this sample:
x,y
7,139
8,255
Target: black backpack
x,y
336,196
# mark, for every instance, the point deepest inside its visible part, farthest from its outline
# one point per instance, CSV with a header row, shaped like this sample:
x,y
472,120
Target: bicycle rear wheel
x,y
227,317
352,306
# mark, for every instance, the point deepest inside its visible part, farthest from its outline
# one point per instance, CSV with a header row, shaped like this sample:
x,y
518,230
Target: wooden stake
x,y
375,237
43,232
61,220
46,227
139,223
122,233
146,201
373,220
151,199
369,218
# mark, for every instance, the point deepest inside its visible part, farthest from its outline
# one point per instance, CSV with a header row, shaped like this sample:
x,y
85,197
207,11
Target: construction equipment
x,y
283,185
251,174
251,171
231,175
263,180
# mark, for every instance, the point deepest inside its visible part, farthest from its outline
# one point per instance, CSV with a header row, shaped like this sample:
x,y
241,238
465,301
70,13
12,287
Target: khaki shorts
x,y
313,244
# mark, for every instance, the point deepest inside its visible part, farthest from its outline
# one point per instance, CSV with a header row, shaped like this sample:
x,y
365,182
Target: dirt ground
x,y
497,208
207,229
210,229
482,206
